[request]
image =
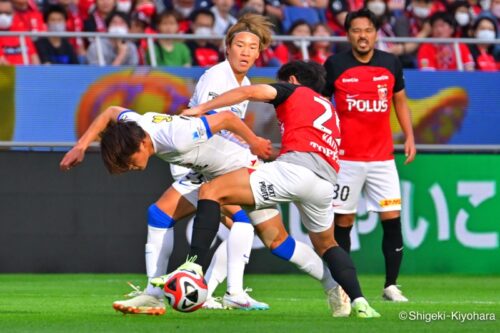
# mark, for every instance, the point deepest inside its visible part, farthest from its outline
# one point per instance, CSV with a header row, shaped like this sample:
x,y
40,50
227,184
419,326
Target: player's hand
x,y
261,147
72,158
410,150
193,112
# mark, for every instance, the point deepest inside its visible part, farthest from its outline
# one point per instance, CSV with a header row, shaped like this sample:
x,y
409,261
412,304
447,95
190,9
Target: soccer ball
x,y
186,291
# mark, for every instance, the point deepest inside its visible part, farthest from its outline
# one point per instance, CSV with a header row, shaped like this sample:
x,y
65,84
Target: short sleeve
x,y
284,90
399,83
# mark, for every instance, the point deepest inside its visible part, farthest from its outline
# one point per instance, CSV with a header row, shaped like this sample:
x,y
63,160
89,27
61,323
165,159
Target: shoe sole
x,y
229,307
135,310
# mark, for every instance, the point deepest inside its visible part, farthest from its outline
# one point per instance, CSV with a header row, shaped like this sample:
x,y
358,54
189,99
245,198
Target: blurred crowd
x,y
414,18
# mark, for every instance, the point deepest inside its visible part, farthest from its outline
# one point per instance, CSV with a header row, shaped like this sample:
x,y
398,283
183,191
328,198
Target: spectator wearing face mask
x,y
204,52
461,10
442,56
485,28
10,46
116,51
319,51
55,50
74,23
292,50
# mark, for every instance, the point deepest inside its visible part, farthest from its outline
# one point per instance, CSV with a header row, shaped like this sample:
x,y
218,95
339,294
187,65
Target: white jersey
x,y
188,142
216,81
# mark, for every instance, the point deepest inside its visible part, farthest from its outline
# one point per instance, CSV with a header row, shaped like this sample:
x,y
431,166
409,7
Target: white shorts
x,y
188,186
379,182
276,182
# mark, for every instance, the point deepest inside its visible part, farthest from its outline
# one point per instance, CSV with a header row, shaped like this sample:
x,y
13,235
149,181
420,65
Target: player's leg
x,y
383,196
171,206
275,237
345,200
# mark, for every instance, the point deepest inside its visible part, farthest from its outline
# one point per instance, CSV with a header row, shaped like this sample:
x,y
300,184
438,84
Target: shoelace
x,y
137,290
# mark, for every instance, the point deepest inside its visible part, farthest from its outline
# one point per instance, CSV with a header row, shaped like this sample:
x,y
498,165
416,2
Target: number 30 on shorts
x,y
341,191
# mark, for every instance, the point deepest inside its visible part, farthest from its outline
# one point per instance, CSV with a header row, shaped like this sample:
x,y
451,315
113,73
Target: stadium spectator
x,y
293,50
385,22
146,7
203,52
442,56
222,14
74,23
140,24
28,15
274,14
337,11
495,10
124,6
186,8
461,10
96,22
485,28
320,50
115,51
169,52
55,50
10,46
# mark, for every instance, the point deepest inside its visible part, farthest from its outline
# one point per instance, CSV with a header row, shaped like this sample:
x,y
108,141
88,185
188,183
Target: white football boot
x,y
242,301
213,303
339,302
140,303
394,294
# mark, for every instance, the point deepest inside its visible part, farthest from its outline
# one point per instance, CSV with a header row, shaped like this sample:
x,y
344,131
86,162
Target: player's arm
x,y
404,119
226,120
77,153
258,93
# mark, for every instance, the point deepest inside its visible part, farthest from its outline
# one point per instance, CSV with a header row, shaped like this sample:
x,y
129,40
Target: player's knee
x,y
159,219
344,220
207,192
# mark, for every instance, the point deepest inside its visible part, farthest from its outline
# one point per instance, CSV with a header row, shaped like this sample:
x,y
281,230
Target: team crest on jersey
x,y
212,95
382,91
159,118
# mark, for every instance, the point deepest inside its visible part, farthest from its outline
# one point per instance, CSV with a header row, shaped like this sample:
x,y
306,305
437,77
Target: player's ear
x,y
293,80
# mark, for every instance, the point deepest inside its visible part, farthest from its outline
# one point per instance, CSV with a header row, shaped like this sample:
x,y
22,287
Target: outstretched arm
x,y
77,153
258,92
226,120
403,114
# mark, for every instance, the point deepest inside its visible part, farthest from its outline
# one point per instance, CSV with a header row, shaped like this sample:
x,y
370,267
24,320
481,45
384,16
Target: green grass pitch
x,y
82,303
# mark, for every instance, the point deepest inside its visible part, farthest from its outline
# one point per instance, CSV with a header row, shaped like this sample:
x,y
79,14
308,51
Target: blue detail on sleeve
x,y
207,127
121,113
285,250
158,219
211,112
241,217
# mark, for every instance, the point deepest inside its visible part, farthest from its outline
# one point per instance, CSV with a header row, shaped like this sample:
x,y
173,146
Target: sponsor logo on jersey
x,y
266,190
380,78
350,80
330,153
159,118
212,95
331,141
367,105
390,202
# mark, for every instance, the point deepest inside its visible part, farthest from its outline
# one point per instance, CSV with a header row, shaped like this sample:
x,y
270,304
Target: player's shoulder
x,y
338,58
222,69
384,58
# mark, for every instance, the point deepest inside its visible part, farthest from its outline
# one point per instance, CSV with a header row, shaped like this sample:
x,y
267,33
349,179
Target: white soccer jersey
x,y
188,142
215,81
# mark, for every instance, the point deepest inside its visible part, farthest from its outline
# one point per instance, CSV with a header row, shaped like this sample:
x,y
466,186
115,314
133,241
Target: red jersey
x,y
30,19
442,56
11,45
363,94
308,122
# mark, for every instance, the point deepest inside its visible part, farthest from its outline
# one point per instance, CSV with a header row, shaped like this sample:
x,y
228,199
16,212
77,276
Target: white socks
x,y
217,271
159,247
239,246
308,261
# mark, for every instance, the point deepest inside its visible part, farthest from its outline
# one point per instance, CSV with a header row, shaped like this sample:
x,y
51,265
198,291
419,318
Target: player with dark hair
x,y
363,82
308,160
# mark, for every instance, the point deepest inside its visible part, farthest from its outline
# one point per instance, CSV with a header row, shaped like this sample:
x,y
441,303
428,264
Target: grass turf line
x,y
82,303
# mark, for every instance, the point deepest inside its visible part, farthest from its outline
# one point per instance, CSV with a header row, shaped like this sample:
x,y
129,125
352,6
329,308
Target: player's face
x,y
139,160
362,35
243,52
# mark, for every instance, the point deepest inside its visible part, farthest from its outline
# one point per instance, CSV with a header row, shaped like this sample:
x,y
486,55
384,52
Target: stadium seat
x,y
293,13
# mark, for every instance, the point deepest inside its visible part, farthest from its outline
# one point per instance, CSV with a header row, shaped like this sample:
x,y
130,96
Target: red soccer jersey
x,y
363,94
30,19
308,122
442,56
11,46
